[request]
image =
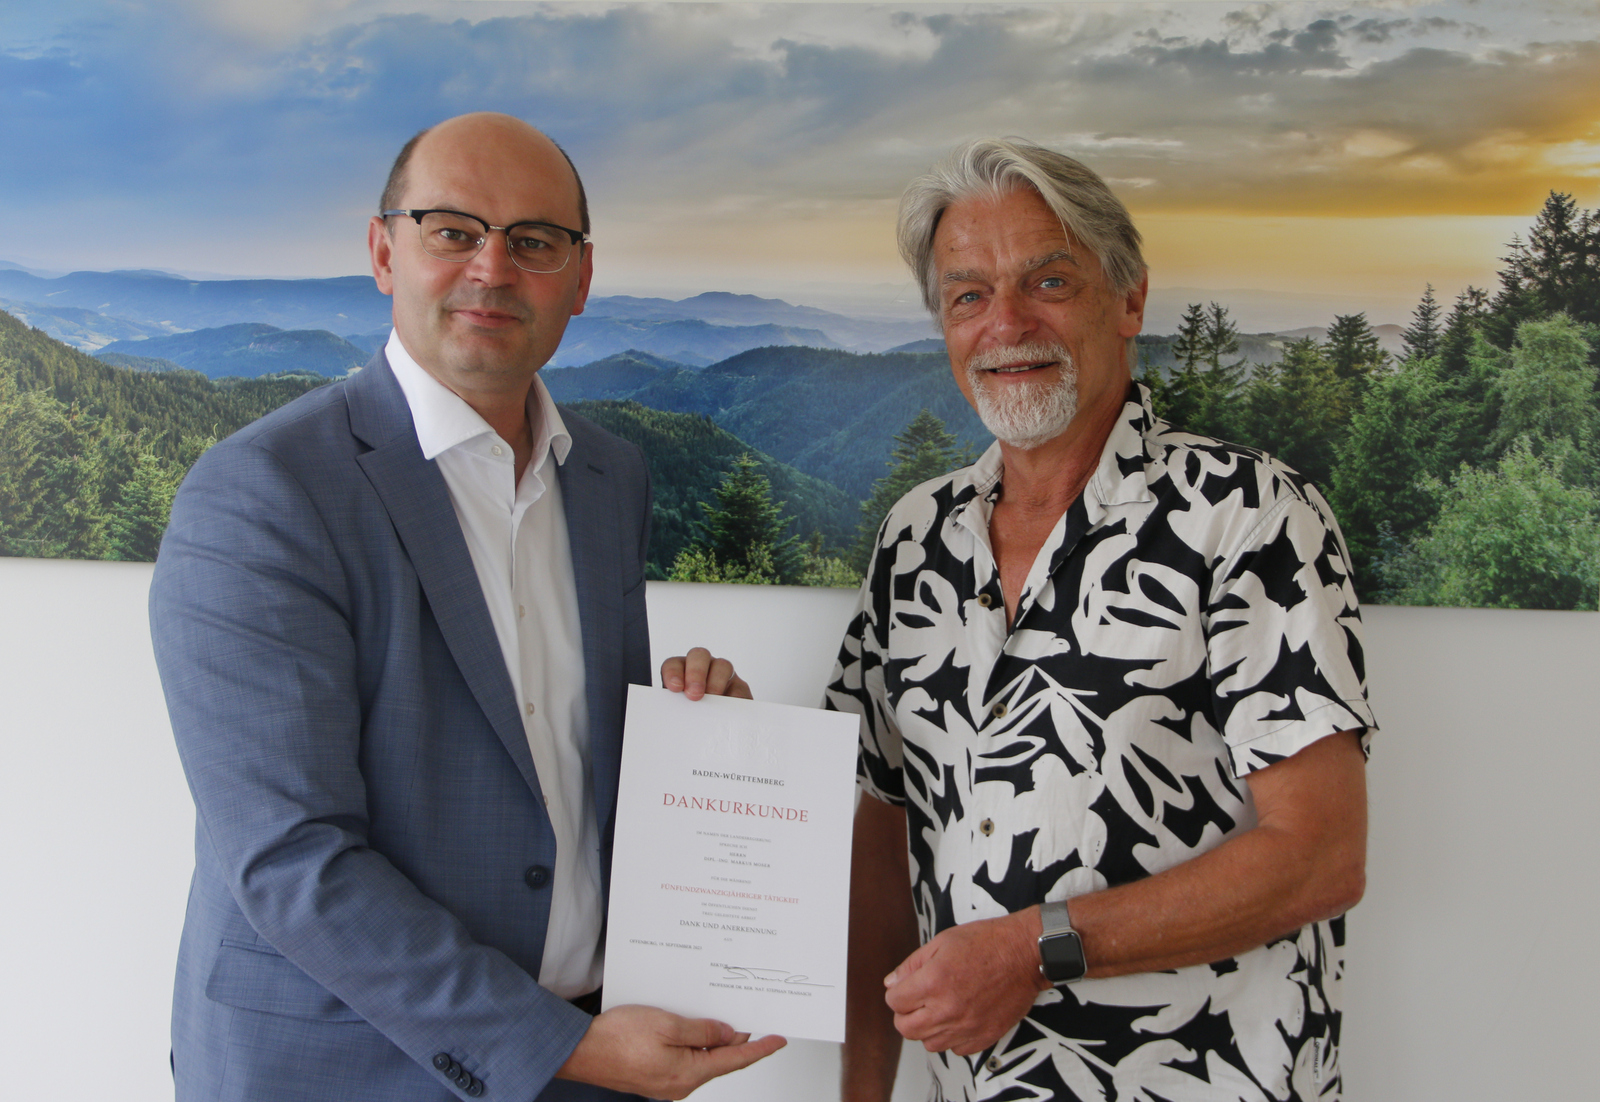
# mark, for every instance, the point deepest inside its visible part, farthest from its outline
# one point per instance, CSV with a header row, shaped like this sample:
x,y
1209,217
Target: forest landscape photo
x,y
1372,230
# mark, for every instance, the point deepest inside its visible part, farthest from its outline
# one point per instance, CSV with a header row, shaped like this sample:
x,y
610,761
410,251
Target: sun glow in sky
x,y
1359,149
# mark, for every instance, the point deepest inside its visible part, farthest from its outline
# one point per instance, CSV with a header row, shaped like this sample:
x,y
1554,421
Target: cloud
x,y
253,115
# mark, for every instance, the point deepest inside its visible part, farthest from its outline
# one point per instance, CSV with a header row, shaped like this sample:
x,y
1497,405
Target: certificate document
x,y
730,876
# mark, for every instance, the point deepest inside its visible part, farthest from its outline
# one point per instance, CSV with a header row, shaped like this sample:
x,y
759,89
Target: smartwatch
x,y
1061,957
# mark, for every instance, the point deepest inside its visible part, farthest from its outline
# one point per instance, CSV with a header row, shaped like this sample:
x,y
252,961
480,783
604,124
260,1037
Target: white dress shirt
x,y
517,535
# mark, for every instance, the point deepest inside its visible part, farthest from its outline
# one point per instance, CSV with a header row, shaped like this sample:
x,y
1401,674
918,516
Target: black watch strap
x,y
1061,958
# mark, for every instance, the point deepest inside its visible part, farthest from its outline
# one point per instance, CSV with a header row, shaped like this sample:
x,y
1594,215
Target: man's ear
x,y
380,246
585,274
1132,321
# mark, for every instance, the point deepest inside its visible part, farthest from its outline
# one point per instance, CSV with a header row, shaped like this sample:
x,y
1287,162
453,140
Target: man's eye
x,y
1052,282
530,244
965,298
454,236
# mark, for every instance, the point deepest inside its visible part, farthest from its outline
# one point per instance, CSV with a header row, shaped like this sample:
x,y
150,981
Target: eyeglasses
x,y
534,246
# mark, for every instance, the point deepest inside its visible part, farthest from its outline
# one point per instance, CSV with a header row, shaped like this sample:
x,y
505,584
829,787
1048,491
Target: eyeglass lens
x,y
534,248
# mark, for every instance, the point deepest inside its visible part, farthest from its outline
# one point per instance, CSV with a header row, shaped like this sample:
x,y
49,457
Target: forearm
x,y
883,932
1302,863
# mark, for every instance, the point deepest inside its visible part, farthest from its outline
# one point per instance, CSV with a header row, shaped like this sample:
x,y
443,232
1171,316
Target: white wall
x,y
1473,959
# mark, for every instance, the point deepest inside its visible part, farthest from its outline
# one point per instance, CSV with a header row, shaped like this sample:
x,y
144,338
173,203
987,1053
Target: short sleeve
x,y
1283,637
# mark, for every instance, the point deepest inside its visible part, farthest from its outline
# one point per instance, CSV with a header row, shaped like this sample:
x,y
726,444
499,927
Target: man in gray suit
x,y
395,621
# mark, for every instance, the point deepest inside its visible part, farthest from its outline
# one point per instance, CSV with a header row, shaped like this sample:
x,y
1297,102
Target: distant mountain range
x,y
1389,336
246,350
348,304
828,413
93,310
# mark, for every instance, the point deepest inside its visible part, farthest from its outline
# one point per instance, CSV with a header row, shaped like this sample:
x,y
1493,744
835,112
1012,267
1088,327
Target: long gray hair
x,y
1094,217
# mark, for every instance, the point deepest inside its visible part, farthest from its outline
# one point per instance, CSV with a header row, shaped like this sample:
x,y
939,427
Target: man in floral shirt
x,y
1114,712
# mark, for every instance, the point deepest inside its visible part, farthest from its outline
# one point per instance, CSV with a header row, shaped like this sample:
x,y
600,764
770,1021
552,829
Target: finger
x,y
902,1000
696,664
672,674
722,1060
916,1024
720,677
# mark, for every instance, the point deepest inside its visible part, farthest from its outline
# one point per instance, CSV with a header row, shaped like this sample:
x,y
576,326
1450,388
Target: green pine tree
x,y
1203,394
144,502
1353,349
744,531
924,449
1421,337
1190,345
1385,455
1297,410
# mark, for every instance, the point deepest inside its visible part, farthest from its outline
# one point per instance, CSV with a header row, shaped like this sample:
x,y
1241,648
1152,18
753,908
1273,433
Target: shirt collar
x,y
1123,476
444,420
1120,478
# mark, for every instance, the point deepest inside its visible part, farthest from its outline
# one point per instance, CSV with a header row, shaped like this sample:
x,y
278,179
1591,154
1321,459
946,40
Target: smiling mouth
x,y
1017,369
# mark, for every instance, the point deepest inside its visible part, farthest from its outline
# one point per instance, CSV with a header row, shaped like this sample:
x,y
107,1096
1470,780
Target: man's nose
x,y
492,264
1011,316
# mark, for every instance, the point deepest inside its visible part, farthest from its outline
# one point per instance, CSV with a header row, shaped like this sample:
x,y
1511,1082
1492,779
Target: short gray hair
x,y
998,166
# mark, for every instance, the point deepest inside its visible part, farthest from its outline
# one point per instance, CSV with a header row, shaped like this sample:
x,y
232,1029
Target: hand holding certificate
x,y
731,867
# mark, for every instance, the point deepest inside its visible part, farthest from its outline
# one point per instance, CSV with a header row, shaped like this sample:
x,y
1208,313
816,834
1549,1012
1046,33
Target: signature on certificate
x,y
767,975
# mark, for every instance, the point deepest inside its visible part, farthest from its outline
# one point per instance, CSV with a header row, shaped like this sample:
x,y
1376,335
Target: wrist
x,y
1060,947
1028,928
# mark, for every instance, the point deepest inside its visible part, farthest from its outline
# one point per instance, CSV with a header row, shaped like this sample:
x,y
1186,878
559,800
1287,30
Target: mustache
x,y
1032,352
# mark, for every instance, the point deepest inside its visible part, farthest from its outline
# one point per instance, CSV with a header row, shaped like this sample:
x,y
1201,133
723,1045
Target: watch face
x,y
1061,957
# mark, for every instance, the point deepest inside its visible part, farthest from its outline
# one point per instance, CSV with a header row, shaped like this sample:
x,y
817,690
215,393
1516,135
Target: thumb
x,y
699,1033
720,1061
910,966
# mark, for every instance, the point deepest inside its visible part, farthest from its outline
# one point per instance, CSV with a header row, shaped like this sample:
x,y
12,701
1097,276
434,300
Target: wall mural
x,y
1372,234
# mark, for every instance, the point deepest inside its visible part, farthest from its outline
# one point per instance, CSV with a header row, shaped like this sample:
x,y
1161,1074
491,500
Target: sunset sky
x,y
1353,152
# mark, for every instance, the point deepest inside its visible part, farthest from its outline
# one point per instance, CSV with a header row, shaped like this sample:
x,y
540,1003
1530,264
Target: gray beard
x,y
1025,417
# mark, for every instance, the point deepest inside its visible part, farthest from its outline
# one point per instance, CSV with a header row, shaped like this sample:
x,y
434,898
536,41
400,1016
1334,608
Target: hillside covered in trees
x,y
91,453
1465,470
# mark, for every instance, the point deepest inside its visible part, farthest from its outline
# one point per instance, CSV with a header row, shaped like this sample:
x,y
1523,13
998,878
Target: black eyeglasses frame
x,y
417,215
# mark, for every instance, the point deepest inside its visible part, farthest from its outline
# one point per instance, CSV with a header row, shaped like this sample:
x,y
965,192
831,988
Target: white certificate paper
x,y
730,876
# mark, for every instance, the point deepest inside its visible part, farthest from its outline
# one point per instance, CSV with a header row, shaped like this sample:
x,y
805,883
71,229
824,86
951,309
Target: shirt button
x,y
537,876
987,826
992,1063
1000,710
985,600
498,450
521,612
530,708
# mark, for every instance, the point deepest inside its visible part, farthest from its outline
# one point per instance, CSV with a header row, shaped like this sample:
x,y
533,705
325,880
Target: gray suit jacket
x,y
371,888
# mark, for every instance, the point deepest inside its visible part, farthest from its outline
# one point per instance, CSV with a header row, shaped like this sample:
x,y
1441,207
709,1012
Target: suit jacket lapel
x,y
418,501
589,503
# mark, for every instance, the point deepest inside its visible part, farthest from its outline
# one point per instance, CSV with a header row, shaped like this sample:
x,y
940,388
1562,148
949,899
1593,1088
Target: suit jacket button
x,y
463,1080
441,1061
476,1090
537,876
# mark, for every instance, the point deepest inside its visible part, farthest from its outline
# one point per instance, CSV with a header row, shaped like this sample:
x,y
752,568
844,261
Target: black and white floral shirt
x,y
1189,620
